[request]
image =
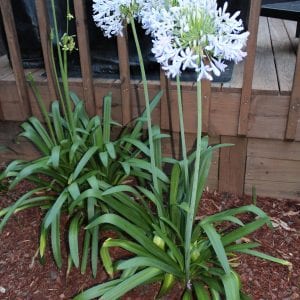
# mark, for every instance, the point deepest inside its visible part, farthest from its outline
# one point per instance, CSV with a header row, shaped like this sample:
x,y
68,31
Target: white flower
x,y
193,34
109,15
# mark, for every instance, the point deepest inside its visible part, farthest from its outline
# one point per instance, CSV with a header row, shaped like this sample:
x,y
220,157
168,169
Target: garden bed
x,y
23,277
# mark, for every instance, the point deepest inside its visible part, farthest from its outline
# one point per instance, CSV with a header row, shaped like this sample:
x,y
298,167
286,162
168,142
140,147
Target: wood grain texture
x,y
85,57
15,55
278,190
290,27
294,107
44,30
273,149
249,67
275,170
232,165
124,76
284,55
268,115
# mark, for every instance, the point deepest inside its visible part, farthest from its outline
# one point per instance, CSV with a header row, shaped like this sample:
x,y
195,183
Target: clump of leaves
x,y
158,244
78,153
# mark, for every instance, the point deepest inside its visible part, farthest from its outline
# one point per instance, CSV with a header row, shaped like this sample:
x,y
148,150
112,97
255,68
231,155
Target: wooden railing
x,y
125,83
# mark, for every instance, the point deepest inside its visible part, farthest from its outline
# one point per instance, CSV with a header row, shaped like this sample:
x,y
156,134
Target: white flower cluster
x,y
199,37
187,34
109,14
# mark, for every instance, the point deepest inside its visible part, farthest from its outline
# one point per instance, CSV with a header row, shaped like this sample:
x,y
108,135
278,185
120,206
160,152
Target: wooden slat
x,y
294,110
275,170
85,57
232,165
284,55
224,113
249,67
291,31
236,82
44,29
264,62
15,55
274,189
124,76
273,149
268,116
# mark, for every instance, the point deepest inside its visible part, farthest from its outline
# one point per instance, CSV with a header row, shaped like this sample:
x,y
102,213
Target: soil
x,y
22,276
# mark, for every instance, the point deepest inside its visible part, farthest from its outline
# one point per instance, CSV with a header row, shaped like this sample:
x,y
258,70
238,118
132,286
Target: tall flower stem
x,y
149,123
193,200
182,132
64,75
147,102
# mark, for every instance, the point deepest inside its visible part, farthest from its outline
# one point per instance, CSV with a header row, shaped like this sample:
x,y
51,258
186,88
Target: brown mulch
x,y
23,277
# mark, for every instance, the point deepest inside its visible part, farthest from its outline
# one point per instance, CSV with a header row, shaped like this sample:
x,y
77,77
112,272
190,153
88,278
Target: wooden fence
x,y
228,174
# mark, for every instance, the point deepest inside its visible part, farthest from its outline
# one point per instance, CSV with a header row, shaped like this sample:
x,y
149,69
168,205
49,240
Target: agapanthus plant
x,y
171,244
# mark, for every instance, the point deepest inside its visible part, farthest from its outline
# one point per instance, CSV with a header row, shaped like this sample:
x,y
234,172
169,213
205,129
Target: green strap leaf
x,y
130,283
215,241
73,238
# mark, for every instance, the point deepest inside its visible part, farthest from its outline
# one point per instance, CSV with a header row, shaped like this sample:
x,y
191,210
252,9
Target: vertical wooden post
x,y
249,67
85,57
206,93
294,110
233,165
15,55
123,54
44,29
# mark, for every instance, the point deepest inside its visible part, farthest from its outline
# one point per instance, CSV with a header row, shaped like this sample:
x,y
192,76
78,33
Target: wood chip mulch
x,y
23,277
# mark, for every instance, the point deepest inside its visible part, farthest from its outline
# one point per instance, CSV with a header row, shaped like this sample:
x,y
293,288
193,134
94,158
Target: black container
x,y
104,54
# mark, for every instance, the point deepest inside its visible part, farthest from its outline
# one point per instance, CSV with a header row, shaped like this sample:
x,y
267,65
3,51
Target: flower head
x,y
110,15
196,35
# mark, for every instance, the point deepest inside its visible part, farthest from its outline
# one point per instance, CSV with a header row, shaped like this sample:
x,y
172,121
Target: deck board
x,y
265,77
290,27
284,55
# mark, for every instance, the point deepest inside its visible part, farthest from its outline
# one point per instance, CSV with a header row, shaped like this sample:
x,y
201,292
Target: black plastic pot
x,y
104,54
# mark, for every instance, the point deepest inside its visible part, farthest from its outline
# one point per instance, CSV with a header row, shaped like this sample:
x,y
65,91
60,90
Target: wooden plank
x,y
236,82
123,54
232,165
278,190
291,27
273,149
284,55
294,108
44,30
264,61
224,113
5,68
85,57
268,116
249,67
269,169
15,55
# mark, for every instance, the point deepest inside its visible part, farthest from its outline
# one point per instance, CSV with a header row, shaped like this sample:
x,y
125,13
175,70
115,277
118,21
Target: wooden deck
x,y
262,156
275,59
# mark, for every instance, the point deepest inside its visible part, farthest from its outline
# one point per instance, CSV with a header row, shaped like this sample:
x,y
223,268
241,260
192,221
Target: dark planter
x,y
104,54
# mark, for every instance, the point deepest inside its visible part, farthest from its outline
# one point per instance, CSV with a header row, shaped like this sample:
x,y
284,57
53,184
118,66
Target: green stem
x,y
63,74
182,132
56,79
149,124
193,200
42,106
147,102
